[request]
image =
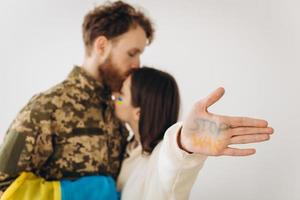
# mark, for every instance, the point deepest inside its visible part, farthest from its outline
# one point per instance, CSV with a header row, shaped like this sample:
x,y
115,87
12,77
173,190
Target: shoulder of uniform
x,y
43,105
46,100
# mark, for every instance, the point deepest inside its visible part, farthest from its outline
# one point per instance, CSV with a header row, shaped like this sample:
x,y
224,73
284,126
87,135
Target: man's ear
x,y
137,113
102,47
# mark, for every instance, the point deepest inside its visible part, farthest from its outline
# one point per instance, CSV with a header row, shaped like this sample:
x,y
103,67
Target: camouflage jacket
x,y
66,132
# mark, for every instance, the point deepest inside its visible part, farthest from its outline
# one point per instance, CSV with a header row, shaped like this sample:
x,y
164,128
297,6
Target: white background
x,y
250,47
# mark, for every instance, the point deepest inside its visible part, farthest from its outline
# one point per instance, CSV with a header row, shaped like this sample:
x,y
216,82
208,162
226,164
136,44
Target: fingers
x,y
238,152
250,131
213,97
243,121
246,139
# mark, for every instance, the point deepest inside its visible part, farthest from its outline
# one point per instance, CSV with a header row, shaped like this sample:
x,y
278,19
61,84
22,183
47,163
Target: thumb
x,y
213,97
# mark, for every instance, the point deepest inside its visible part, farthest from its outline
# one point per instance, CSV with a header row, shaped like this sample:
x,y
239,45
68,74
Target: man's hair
x,y
156,93
113,19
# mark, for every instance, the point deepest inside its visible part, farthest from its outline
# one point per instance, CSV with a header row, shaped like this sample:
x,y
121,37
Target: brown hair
x,y
112,20
156,93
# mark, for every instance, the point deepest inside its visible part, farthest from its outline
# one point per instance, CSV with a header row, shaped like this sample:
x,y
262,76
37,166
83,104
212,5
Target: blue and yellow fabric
x,y
28,186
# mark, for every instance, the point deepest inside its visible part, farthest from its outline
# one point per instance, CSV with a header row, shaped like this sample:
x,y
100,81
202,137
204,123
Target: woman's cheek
x,y
120,108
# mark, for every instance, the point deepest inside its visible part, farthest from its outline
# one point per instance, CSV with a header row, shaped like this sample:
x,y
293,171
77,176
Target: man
x,y
70,130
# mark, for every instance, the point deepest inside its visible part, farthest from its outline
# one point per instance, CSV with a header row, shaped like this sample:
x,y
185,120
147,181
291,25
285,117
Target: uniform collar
x,y
84,81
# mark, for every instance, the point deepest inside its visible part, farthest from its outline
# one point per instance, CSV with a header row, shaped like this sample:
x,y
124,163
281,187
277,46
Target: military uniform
x,y
67,132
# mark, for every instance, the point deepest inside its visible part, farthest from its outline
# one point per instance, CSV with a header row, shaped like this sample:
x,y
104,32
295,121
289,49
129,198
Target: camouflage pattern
x,y
66,132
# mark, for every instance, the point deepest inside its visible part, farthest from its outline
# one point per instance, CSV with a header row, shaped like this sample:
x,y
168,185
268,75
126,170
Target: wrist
x,y
179,141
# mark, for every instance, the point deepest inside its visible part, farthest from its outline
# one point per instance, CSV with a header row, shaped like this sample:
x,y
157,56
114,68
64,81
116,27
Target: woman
x,y
156,167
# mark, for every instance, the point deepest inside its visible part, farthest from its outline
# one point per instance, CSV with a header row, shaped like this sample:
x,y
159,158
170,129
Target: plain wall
x,y
250,47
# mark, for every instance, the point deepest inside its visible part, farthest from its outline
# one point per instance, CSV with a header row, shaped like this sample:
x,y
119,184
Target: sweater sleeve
x,y
174,171
167,173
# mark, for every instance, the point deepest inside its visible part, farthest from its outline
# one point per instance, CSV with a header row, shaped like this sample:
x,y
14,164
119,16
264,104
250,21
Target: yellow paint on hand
x,y
207,142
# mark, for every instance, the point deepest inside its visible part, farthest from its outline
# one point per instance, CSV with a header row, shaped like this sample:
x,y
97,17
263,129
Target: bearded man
x,y
70,130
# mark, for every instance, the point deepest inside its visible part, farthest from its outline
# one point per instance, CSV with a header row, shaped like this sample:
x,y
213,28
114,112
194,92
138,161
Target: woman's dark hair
x,y
156,93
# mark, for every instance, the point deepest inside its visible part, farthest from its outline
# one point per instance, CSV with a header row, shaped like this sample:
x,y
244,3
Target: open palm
x,y
210,134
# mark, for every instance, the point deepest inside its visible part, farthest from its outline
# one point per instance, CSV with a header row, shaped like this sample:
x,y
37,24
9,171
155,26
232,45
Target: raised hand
x,y
210,134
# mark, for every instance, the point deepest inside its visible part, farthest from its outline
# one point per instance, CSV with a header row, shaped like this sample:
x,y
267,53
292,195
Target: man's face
x,y
124,56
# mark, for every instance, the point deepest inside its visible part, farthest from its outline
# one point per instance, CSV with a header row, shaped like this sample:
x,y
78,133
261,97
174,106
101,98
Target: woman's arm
x,y
171,171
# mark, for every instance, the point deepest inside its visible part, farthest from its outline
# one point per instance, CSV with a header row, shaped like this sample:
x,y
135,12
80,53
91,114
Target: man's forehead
x,y
132,47
133,39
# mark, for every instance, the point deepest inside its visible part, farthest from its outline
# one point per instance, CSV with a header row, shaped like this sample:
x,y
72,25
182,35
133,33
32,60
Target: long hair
x,y
156,93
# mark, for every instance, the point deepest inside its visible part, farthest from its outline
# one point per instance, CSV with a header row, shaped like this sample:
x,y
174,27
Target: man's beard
x,y
111,76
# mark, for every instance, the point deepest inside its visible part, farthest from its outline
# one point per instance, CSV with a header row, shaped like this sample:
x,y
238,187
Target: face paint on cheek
x,y
119,101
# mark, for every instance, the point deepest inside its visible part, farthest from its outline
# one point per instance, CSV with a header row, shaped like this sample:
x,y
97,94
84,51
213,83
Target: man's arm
x,y
27,144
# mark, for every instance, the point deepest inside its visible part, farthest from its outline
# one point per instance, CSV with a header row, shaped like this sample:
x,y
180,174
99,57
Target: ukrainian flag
x,y
28,186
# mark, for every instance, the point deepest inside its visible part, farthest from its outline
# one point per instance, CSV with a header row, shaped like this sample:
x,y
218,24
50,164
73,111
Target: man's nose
x,y
136,64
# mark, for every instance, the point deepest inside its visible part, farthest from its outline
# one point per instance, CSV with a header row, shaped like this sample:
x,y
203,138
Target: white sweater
x,y
168,173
